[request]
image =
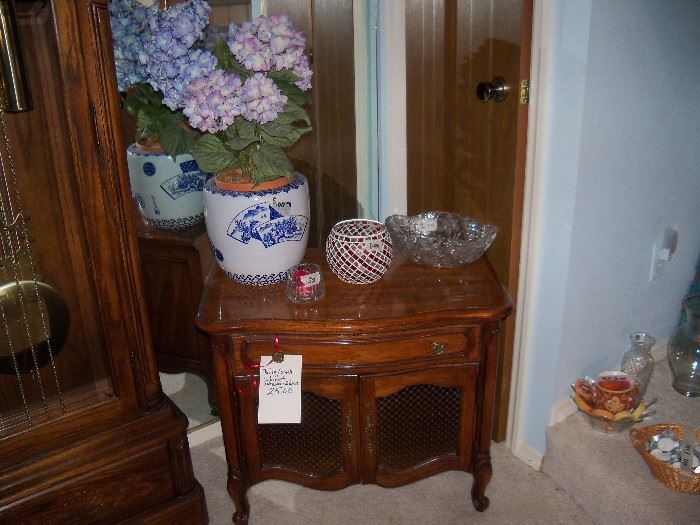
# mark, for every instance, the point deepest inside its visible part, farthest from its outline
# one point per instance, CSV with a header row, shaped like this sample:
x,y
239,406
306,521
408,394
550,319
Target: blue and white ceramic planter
x,y
168,192
257,235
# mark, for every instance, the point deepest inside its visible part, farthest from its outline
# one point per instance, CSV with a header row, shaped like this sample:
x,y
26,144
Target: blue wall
x,y
619,162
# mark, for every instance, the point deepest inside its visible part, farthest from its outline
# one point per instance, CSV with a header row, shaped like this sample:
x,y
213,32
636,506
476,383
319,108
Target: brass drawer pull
x,y
438,348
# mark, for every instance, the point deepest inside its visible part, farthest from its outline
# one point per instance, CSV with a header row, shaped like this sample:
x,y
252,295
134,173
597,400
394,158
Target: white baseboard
x,y
204,433
527,454
561,410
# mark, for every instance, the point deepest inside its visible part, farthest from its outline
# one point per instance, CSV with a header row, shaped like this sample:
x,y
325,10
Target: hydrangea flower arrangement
x,y
242,100
249,108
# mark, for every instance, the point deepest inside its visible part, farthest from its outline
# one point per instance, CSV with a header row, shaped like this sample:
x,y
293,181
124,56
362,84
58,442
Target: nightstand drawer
x,y
361,353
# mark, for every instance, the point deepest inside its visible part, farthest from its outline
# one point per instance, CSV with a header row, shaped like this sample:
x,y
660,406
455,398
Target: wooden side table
x,y
174,264
397,384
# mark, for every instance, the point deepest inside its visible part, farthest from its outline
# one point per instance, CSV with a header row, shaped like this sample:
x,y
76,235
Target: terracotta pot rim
x,y
249,186
153,147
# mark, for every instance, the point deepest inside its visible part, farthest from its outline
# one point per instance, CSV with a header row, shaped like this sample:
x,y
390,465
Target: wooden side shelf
x,y
397,384
173,266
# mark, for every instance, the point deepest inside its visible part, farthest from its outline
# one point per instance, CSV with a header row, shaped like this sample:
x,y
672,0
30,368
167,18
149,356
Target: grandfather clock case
x,y
86,435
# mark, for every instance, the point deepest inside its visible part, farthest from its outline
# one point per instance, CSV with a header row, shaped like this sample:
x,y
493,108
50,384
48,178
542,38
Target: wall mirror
x,y
173,264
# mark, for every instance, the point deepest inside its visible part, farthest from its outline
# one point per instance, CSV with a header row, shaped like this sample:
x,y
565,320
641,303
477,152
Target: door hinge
x,y
525,91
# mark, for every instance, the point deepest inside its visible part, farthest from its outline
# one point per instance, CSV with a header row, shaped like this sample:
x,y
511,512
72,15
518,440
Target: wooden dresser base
x,y
137,472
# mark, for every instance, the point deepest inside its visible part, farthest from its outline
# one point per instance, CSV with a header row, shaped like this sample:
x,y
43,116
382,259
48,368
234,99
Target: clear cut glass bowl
x,y
440,239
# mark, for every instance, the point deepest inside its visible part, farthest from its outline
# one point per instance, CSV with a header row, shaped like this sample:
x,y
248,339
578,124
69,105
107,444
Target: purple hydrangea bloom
x,y
130,31
303,71
170,61
185,21
212,102
248,49
270,43
262,98
171,77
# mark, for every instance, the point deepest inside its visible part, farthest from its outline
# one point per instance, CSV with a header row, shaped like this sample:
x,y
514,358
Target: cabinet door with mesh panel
x,y
417,423
319,452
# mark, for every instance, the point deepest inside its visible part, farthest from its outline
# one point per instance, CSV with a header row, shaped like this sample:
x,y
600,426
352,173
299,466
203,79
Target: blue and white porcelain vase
x,y
168,192
257,234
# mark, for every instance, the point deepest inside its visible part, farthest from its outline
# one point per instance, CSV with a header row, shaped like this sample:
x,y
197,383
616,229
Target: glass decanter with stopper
x,y
637,362
684,350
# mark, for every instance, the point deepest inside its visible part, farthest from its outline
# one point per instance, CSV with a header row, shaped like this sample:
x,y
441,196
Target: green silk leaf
x,y
293,113
270,162
244,128
212,155
176,140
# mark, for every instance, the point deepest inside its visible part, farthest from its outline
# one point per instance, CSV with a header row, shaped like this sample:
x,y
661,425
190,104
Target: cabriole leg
x,y
482,475
238,492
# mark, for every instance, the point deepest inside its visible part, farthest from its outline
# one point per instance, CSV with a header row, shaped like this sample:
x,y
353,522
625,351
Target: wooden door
x,y
466,155
319,452
417,423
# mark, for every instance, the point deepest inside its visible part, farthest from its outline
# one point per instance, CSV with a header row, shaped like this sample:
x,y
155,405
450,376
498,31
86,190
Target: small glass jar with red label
x,y
305,283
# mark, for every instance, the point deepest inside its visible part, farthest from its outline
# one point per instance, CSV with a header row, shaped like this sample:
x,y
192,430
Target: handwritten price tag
x,y
373,246
686,452
310,279
280,390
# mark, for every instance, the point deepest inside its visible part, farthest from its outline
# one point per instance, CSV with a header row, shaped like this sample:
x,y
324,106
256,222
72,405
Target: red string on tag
x,y
252,367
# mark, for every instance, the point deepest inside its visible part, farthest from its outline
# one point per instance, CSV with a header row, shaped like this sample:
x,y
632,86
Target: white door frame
x,y
538,111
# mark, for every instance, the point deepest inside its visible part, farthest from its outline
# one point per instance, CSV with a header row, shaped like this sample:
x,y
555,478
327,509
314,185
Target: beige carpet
x,y
519,495
607,476
583,469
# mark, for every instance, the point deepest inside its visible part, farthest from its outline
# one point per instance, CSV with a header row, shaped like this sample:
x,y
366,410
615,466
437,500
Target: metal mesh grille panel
x,y
416,424
313,447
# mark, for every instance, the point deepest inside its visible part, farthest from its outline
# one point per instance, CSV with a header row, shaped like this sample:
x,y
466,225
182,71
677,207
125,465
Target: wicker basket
x,y
664,472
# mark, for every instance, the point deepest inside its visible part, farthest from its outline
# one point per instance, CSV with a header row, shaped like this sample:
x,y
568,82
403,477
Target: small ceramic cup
x,y
615,391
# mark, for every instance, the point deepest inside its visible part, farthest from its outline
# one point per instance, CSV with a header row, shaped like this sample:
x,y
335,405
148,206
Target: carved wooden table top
x,y
472,292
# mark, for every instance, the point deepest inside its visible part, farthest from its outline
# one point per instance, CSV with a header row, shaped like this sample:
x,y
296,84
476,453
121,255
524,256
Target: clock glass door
x,y
52,345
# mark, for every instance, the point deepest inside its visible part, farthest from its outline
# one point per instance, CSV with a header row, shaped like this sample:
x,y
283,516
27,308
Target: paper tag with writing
x,y
686,452
310,279
373,246
280,390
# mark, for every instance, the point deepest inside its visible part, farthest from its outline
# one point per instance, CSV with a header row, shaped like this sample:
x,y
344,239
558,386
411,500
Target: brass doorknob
x,y
496,90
